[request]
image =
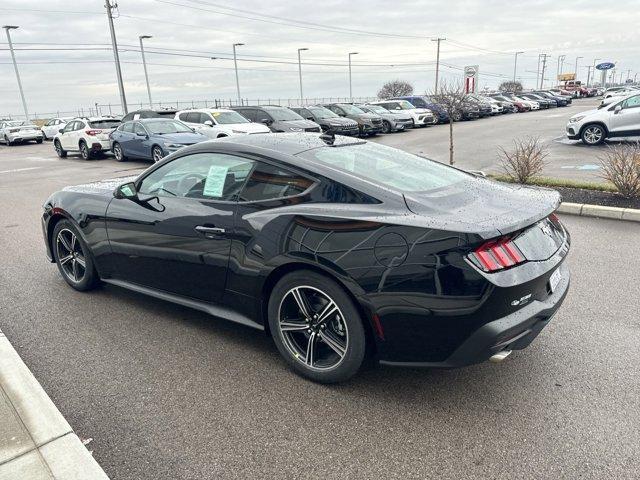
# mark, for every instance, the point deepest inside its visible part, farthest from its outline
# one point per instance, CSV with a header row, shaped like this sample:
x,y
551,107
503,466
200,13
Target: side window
x,y
139,129
193,117
183,116
633,102
128,127
251,114
70,127
79,125
304,113
205,117
262,115
210,176
268,183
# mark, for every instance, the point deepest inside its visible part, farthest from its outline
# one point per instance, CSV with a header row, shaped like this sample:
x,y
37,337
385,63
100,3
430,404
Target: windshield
x,y
377,109
283,114
350,109
387,166
16,123
163,127
225,118
321,112
106,123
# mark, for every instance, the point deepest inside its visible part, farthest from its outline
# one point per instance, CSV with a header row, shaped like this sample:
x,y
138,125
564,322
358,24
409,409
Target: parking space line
x,y
19,169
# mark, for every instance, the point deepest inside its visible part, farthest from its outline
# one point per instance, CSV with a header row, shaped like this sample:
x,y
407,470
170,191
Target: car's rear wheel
x,y
39,140
156,154
386,127
316,327
73,257
7,141
44,135
457,116
593,134
117,152
84,151
59,150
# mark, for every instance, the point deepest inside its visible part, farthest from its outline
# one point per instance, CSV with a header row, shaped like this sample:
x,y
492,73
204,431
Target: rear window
x,y
108,123
390,167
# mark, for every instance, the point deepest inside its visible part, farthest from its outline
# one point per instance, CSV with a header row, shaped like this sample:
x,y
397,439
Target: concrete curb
x,y
39,442
586,210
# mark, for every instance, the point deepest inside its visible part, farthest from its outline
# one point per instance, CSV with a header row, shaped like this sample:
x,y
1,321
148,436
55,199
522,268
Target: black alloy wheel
x,y
117,152
386,127
59,150
316,327
84,151
73,257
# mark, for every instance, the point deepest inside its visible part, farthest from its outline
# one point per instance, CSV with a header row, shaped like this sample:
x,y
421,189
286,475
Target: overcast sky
x,y
385,33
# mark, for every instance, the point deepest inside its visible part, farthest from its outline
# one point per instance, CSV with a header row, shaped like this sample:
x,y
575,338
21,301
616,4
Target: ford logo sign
x,y
605,66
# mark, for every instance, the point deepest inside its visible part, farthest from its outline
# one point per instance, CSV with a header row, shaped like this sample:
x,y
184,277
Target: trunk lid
x,y
484,207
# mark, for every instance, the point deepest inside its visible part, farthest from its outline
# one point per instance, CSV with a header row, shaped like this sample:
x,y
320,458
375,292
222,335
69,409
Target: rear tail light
x,y
92,132
497,255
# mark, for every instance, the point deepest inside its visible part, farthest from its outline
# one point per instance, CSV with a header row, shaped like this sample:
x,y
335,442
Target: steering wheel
x,y
190,180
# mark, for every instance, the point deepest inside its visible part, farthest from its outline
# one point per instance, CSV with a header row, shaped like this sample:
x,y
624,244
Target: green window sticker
x,y
214,183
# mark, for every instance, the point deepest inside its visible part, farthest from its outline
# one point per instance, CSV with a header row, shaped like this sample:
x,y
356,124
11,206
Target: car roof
x,y
289,143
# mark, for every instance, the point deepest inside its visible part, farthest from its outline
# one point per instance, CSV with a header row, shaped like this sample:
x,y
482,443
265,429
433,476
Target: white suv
x,y
88,136
52,126
621,119
218,122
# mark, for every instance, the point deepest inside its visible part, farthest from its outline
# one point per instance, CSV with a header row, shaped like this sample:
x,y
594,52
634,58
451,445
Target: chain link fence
x,y
99,109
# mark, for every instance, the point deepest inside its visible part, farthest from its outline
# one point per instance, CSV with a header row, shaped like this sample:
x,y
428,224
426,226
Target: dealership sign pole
x,y
603,67
470,78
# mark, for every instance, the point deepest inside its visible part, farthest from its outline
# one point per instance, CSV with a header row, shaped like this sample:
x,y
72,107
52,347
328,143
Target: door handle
x,y
203,229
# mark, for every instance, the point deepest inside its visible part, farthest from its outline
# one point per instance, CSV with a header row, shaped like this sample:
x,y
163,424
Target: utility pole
x,y
628,75
438,40
144,64
350,86
538,71
15,67
123,100
544,66
235,64
589,67
515,63
576,69
300,71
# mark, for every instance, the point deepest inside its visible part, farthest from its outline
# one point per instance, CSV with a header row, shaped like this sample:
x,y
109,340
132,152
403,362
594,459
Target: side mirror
x,y
128,190
617,109
266,121
208,123
311,118
142,134
61,130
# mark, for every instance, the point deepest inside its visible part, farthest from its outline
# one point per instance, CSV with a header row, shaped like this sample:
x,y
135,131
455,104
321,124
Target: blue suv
x,y
420,101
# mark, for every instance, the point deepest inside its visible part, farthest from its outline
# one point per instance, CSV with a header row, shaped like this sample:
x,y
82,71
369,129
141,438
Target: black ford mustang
x,y
337,247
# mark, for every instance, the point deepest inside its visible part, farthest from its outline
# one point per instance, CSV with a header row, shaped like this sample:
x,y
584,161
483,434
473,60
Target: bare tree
x,y
395,88
453,99
621,166
510,86
525,160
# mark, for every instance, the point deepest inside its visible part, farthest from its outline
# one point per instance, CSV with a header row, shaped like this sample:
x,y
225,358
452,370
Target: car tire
x,y
338,344
84,150
59,150
39,140
117,152
593,134
386,127
156,154
7,141
73,257
456,116
44,135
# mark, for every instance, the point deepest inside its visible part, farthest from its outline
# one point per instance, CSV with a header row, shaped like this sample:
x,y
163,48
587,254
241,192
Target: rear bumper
x,y
24,137
513,332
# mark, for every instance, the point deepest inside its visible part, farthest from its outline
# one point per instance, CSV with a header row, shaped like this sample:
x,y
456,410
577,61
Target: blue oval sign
x,y
605,66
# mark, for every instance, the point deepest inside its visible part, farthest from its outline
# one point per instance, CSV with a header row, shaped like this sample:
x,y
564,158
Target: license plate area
x,y
554,280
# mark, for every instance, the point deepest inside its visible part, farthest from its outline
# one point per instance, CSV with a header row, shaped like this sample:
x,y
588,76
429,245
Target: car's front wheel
x,y
457,116
157,154
117,152
73,257
386,127
59,150
593,134
316,327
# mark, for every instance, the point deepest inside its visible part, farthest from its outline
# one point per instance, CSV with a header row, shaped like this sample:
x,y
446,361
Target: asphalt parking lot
x,y
476,142
170,393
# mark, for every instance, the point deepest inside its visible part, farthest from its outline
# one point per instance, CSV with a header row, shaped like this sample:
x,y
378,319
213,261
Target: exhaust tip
x,y
500,356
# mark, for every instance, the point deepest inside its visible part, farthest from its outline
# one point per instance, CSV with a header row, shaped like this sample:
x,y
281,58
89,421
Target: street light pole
x,y
144,64
515,63
300,71
560,61
235,64
350,87
576,69
15,67
544,66
116,57
435,90
594,70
